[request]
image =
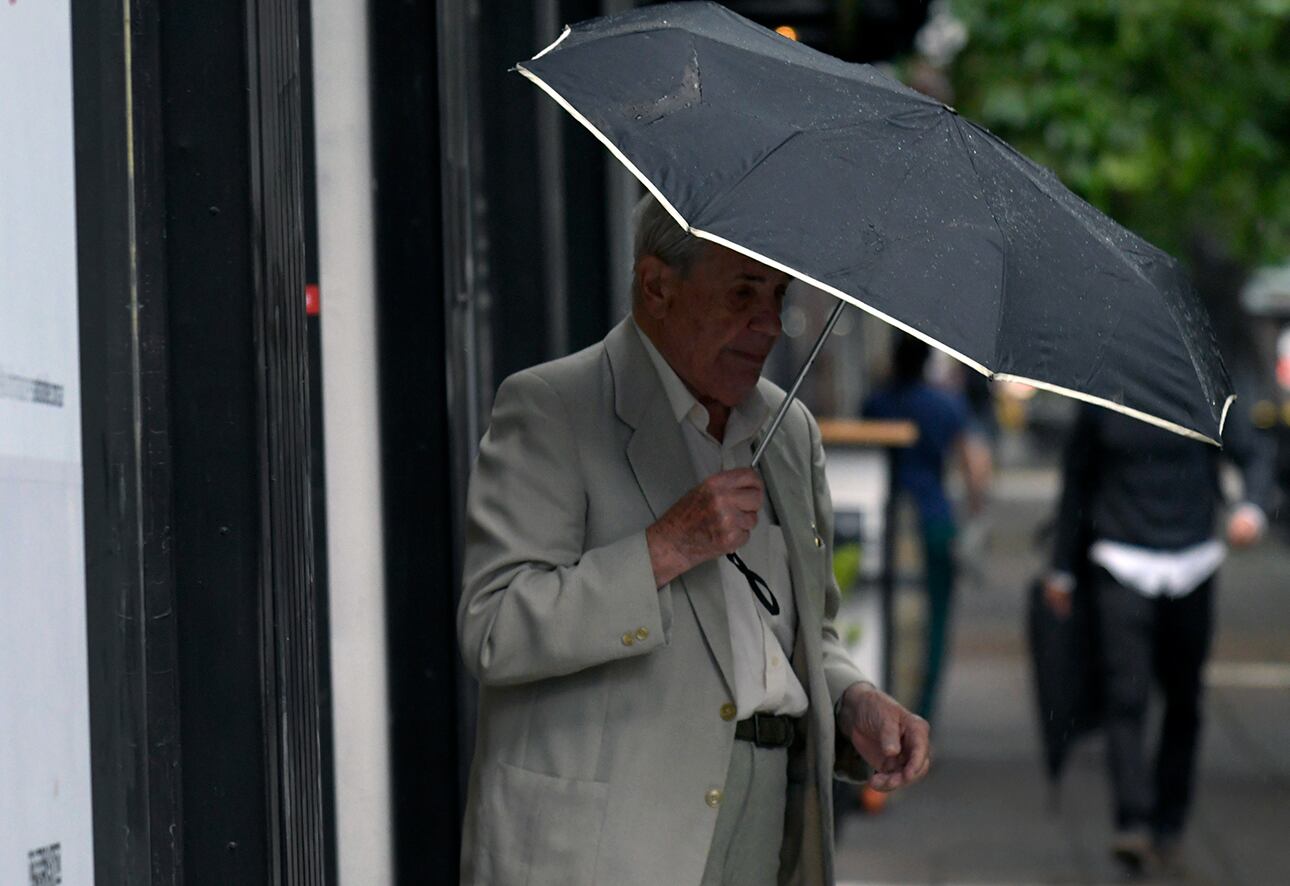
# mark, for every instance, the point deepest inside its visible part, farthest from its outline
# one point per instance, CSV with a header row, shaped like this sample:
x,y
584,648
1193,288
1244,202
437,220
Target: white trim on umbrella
x,y
1222,422
1118,407
851,299
558,40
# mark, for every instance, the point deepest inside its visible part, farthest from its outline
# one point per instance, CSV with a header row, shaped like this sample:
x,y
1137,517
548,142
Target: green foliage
x,y
1172,116
846,566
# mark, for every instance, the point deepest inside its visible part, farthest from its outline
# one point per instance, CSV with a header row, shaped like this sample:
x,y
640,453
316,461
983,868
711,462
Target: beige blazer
x,y
604,720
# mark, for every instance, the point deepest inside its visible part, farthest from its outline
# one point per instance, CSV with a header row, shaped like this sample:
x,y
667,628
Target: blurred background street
x,y
985,813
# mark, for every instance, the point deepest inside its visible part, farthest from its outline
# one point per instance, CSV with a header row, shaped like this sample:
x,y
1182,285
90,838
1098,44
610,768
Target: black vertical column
x,y
221,535
587,201
415,445
317,451
515,193
131,602
288,606
201,619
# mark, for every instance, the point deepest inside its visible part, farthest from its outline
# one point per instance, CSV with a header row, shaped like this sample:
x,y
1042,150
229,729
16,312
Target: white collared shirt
x,y
764,677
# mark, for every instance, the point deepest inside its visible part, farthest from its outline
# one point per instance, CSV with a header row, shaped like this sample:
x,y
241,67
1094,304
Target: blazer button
x,y
728,712
819,542
713,798
642,634
628,639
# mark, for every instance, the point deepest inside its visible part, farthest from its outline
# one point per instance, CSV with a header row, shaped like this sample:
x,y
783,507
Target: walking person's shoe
x,y
1132,848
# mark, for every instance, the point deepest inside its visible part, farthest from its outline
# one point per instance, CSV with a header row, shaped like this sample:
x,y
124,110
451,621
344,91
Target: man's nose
x,y
767,319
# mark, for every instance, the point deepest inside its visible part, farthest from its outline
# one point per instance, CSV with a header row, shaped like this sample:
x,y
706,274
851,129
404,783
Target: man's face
x,y
717,325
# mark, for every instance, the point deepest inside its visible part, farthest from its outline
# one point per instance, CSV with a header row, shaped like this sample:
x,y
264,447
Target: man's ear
x,y
656,283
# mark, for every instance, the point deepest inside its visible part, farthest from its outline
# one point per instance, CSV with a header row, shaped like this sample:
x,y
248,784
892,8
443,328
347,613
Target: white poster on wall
x,y
46,835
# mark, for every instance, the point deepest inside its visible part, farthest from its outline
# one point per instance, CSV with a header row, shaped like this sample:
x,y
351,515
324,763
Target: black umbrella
x,y
890,201
1065,656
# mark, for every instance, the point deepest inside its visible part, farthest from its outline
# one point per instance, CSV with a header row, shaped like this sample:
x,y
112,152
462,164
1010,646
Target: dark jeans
x,y
1166,640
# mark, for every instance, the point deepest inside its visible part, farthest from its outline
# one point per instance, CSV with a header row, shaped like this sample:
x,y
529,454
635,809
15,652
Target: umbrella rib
x,y
909,171
760,160
1003,235
1011,155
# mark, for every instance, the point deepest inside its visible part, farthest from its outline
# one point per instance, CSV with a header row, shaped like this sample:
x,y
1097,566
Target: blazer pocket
x,y
542,829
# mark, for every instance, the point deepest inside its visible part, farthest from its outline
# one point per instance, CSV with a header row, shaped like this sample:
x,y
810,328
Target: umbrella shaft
x,y
797,383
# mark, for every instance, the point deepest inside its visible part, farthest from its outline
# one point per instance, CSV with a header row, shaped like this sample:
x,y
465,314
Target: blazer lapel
x,y
661,463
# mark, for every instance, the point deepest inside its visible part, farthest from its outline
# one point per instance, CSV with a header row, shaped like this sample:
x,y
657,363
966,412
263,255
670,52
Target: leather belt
x,y
768,730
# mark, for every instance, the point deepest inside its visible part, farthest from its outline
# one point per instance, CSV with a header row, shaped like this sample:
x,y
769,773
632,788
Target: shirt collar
x,y
745,419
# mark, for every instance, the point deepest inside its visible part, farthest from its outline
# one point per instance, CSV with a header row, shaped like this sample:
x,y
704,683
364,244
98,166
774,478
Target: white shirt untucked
x,y
764,677
1155,573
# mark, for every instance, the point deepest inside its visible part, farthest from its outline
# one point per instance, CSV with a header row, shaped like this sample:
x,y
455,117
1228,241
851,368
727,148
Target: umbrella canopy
x,y
892,202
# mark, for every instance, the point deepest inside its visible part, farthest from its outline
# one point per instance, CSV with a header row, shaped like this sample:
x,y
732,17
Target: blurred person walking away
x,y
944,429
1148,500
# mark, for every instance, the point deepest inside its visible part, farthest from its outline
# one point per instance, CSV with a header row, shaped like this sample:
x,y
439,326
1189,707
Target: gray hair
x,y
658,234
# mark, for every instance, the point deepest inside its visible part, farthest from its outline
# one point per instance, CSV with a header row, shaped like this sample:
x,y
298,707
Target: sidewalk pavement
x,y
985,814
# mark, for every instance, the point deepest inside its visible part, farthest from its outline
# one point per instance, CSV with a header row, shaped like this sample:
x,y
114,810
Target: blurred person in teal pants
x,y
944,429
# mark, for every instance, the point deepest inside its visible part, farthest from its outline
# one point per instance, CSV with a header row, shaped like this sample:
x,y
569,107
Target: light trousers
x,y
750,820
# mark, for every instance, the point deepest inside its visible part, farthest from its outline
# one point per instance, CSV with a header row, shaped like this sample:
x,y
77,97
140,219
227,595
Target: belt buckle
x,y
783,740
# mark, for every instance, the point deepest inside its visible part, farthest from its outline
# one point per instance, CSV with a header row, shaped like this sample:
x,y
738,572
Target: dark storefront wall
x,y
546,264
416,459
204,657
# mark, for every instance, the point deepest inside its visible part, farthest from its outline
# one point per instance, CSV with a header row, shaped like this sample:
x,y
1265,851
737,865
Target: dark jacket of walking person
x,y
1149,500
943,420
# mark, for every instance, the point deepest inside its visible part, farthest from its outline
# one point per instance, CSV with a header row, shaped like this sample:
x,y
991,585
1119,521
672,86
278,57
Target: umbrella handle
x,y
797,383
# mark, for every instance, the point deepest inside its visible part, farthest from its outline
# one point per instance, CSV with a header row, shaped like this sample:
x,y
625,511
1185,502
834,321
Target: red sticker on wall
x,y
313,302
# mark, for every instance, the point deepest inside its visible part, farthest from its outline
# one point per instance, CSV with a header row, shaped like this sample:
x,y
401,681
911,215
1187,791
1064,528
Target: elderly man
x,y
643,718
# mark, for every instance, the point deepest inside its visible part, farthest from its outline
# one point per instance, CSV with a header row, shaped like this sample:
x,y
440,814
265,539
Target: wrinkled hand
x,y
893,741
1245,526
714,518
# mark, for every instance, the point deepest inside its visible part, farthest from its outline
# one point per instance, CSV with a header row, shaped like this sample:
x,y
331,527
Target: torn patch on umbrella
x,y
687,94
